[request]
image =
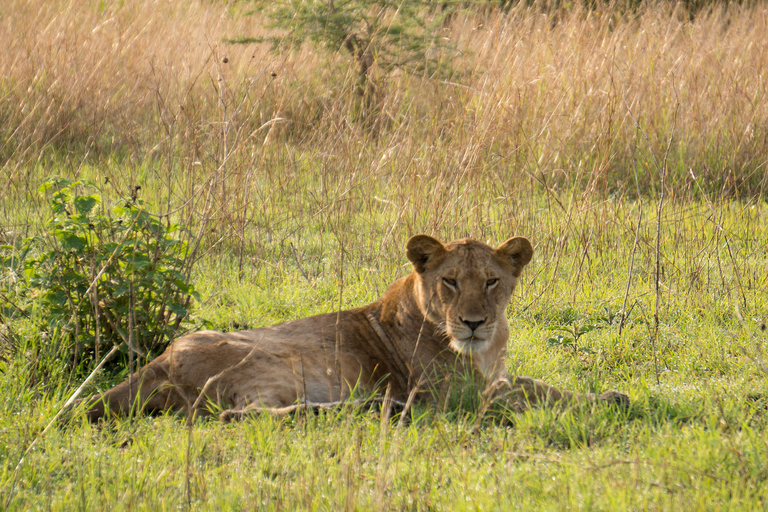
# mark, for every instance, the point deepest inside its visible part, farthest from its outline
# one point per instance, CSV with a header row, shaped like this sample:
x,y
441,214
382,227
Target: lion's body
x,y
446,317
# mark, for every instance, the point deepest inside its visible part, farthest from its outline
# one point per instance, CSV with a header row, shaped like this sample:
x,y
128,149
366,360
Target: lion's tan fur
x,y
417,333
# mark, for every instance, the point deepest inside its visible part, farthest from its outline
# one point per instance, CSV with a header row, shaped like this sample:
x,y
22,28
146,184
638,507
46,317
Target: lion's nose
x,y
472,325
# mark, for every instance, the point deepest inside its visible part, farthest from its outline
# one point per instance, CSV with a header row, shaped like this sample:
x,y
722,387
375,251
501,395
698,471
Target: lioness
x,y
448,315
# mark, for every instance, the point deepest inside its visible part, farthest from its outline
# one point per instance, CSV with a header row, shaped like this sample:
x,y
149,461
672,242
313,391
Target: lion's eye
x,y
491,282
450,282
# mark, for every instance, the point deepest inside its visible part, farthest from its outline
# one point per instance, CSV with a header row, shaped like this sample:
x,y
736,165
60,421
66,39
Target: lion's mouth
x,y
469,345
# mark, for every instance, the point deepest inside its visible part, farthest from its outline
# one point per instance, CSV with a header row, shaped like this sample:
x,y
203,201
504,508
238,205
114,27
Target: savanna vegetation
x,y
164,168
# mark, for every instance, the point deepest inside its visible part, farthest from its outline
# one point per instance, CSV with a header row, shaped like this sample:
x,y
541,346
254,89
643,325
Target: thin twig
x,y
24,313
662,184
624,313
662,170
618,462
720,230
298,264
131,339
219,375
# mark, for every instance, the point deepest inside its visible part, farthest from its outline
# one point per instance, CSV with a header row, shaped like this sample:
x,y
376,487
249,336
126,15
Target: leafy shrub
x,y
107,274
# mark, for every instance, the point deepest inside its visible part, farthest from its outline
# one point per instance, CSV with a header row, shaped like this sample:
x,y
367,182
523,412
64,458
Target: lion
x,y
448,316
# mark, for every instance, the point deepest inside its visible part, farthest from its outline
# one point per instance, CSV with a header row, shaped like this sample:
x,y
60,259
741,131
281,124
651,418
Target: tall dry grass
x,y
266,147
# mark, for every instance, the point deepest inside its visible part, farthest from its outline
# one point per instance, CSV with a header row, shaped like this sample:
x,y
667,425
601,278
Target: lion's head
x,y
464,286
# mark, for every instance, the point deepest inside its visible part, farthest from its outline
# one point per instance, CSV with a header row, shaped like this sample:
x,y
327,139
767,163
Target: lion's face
x,y
464,286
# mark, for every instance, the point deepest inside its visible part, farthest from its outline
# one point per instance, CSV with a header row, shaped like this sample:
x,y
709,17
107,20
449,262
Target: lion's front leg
x,y
520,393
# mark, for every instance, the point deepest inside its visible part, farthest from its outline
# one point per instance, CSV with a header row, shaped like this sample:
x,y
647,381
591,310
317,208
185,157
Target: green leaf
x,y
72,242
178,309
54,181
85,204
559,340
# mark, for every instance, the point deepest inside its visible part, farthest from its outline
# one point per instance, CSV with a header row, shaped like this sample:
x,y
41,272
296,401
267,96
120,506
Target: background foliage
x,y
103,278
377,34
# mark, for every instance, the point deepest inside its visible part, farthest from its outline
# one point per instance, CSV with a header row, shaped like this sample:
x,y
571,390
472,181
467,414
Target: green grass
x,y
307,208
694,441
658,455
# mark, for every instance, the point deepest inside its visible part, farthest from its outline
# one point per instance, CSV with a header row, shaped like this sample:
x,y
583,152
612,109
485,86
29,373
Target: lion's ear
x,y
420,249
518,251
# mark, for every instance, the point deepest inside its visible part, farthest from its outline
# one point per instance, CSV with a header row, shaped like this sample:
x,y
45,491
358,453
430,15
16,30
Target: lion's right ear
x,y
420,249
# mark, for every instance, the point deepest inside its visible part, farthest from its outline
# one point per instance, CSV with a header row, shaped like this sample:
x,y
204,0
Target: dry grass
x,y
537,97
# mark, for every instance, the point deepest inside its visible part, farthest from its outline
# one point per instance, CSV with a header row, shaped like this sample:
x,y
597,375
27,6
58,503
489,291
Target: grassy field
x,y
595,133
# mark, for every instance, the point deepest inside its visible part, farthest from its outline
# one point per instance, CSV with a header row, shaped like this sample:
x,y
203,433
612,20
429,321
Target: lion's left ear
x,y
518,251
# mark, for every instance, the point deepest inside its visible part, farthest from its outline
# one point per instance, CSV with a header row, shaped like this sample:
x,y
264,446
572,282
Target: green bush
x,y
99,275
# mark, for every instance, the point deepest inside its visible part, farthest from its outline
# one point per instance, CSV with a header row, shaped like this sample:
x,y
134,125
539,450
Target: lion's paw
x,y
231,415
